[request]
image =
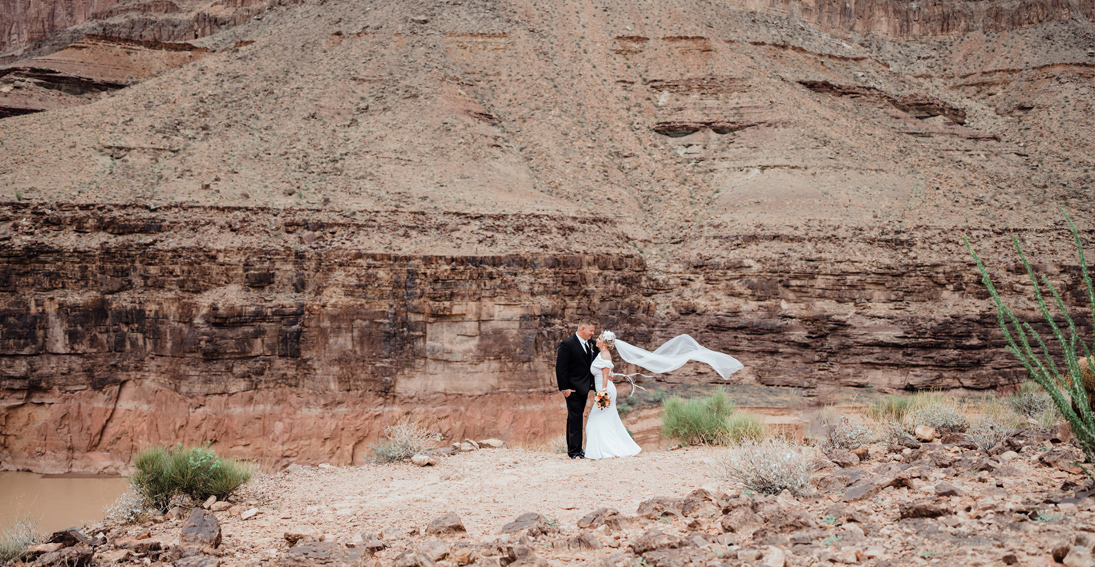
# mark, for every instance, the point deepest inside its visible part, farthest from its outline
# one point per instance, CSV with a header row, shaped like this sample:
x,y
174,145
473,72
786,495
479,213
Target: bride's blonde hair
x,y
609,339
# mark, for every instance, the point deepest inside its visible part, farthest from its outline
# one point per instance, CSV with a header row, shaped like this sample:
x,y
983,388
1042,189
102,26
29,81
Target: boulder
x,y
532,522
661,506
1062,458
844,459
924,433
924,508
423,460
112,556
309,554
137,545
607,517
201,529
654,539
445,525
68,537
199,560
75,556
741,521
42,548
298,533
492,444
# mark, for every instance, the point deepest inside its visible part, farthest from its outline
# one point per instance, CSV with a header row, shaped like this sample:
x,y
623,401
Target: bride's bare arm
x,y
607,374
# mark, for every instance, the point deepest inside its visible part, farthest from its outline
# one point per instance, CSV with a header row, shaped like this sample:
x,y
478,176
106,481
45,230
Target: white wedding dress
x,y
606,435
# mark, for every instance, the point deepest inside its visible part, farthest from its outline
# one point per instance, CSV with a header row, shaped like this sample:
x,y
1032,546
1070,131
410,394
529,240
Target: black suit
x,y
572,373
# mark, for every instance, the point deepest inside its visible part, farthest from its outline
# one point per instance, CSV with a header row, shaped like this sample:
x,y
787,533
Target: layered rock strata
x,y
119,330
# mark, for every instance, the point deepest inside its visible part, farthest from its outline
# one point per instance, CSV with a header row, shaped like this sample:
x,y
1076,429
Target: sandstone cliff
x,y
340,211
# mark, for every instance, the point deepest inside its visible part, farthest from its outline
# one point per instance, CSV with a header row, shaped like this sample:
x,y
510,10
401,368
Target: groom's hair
x,y
586,322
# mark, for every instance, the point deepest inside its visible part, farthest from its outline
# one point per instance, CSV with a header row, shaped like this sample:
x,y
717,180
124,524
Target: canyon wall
x,y
115,336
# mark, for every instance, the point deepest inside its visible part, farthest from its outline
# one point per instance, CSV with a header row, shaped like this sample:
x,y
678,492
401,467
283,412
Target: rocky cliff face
x,y
343,210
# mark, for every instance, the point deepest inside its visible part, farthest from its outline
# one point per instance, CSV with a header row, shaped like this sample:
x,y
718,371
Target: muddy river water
x,y
56,502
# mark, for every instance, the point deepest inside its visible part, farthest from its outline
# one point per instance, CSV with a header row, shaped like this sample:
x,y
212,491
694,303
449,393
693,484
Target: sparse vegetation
x,y
767,467
16,538
196,472
1031,400
699,421
744,425
129,508
403,440
937,411
988,433
846,433
1065,385
889,408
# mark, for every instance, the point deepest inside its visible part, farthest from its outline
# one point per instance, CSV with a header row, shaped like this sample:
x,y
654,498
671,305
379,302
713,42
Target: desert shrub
x,y
1071,385
1049,418
16,538
988,432
889,408
744,425
846,433
768,467
129,508
698,421
196,472
403,440
937,411
1031,400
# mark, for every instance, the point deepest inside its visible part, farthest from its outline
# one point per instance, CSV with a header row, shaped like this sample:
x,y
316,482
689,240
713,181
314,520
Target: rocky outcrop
x,y
116,335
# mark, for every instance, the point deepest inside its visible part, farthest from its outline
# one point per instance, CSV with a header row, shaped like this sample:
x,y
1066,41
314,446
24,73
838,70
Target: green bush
x,y
698,421
889,408
1064,381
15,540
196,472
743,425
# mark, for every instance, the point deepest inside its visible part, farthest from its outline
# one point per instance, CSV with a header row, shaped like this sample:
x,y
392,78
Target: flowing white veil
x,y
674,354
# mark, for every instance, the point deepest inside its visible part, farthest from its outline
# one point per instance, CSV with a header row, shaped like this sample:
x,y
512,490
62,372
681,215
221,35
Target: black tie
x,y
585,347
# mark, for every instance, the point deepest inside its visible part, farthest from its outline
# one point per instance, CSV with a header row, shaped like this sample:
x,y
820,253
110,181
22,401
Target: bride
x,y
606,435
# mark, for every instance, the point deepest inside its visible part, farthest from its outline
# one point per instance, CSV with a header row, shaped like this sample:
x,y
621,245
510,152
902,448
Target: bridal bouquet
x,y
602,400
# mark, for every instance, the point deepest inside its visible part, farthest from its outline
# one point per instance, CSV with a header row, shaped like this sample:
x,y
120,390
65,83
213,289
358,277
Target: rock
x,y
1061,433
944,489
468,447
1009,559
423,460
926,508
774,557
532,522
653,539
741,521
865,489
522,556
1062,457
298,533
42,548
844,459
472,443
445,525
661,506
220,506
585,540
202,529
863,452
462,555
1060,550
137,545
924,433
78,555
492,444
198,561
312,553
1078,557
294,468
68,537
607,517
420,19
435,550
209,502
111,556
248,514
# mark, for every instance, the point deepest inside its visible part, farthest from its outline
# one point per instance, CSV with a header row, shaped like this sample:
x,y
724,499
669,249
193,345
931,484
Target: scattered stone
x,y
445,525
423,460
654,540
924,433
532,522
492,444
1009,559
583,541
294,468
198,561
1062,457
137,545
928,508
298,533
944,489
42,548
863,452
321,553
111,556
221,506
608,517
435,550
78,555
741,521
774,557
68,537
209,502
202,529
247,515
468,447
472,443
420,19
661,506
1078,557
844,459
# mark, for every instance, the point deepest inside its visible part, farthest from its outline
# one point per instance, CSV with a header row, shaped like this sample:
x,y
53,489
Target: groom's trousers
x,y
576,407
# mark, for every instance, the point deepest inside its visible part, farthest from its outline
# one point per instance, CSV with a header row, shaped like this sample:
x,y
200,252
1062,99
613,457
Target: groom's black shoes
x,y
578,456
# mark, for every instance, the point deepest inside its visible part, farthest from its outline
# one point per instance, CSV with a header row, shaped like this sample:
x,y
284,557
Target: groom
x,y
575,381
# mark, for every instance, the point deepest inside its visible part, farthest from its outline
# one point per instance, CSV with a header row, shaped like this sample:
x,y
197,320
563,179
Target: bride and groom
x,y
582,365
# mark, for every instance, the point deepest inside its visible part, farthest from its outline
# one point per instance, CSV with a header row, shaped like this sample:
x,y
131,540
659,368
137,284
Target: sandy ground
x,y
486,489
